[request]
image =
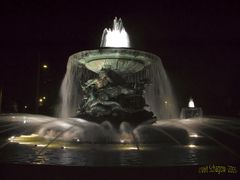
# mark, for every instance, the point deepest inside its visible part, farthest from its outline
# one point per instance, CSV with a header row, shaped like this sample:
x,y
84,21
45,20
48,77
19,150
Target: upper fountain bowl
x,y
119,60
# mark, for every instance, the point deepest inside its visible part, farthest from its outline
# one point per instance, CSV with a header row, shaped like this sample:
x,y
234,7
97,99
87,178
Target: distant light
x,y
192,146
45,66
122,141
29,136
132,148
11,139
24,122
25,107
165,102
78,140
40,100
41,145
191,103
44,97
194,135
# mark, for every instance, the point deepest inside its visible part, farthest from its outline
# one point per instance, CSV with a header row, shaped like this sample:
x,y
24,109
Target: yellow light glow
x,y
41,145
45,66
132,148
44,97
29,136
40,100
24,143
192,146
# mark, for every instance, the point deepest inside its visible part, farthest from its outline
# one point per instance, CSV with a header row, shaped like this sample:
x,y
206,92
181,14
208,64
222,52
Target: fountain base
x,y
191,112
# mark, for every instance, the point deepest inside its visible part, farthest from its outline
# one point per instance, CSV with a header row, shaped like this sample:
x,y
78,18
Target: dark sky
x,y
198,42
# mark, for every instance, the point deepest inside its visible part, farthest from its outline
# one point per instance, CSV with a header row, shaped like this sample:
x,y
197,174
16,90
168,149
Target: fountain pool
x,y
175,142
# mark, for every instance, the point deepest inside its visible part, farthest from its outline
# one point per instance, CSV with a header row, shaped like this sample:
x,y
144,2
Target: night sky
x,y
199,44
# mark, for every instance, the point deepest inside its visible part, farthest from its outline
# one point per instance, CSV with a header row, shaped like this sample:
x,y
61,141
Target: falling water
x,y
70,92
159,94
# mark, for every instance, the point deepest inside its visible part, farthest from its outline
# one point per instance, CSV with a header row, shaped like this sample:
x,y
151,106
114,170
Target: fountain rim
x,y
114,53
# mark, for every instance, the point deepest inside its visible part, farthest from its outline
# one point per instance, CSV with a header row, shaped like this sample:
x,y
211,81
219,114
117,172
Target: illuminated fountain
x,y
191,111
110,94
112,87
116,82
118,99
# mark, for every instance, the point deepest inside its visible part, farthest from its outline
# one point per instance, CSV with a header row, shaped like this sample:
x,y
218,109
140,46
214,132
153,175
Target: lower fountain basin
x,y
172,142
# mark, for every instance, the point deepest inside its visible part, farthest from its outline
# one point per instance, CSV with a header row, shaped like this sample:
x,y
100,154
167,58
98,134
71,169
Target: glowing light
x,y
115,37
11,139
194,135
78,140
25,121
41,145
25,107
44,97
25,143
191,103
122,141
29,136
45,66
192,146
165,102
40,100
132,148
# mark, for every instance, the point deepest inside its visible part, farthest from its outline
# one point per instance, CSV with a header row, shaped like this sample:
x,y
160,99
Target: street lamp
x,y
45,66
39,100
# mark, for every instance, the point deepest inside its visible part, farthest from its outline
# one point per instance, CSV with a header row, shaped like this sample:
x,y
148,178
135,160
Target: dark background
x,y
198,42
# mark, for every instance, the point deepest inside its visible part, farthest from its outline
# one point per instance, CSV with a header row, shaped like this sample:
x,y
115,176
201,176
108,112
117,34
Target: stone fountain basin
x,y
119,60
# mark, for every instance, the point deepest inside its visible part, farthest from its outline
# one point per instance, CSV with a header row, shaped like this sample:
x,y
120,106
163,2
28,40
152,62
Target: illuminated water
x,y
115,37
209,141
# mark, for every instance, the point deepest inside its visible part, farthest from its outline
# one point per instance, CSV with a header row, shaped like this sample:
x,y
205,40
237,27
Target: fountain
x,y
191,111
116,83
117,108
110,88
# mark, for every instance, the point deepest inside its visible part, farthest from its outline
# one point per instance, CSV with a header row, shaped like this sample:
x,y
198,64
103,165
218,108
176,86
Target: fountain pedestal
x,y
189,112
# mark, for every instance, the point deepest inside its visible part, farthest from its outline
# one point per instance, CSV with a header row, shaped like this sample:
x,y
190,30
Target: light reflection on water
x,y
20,145
115,155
